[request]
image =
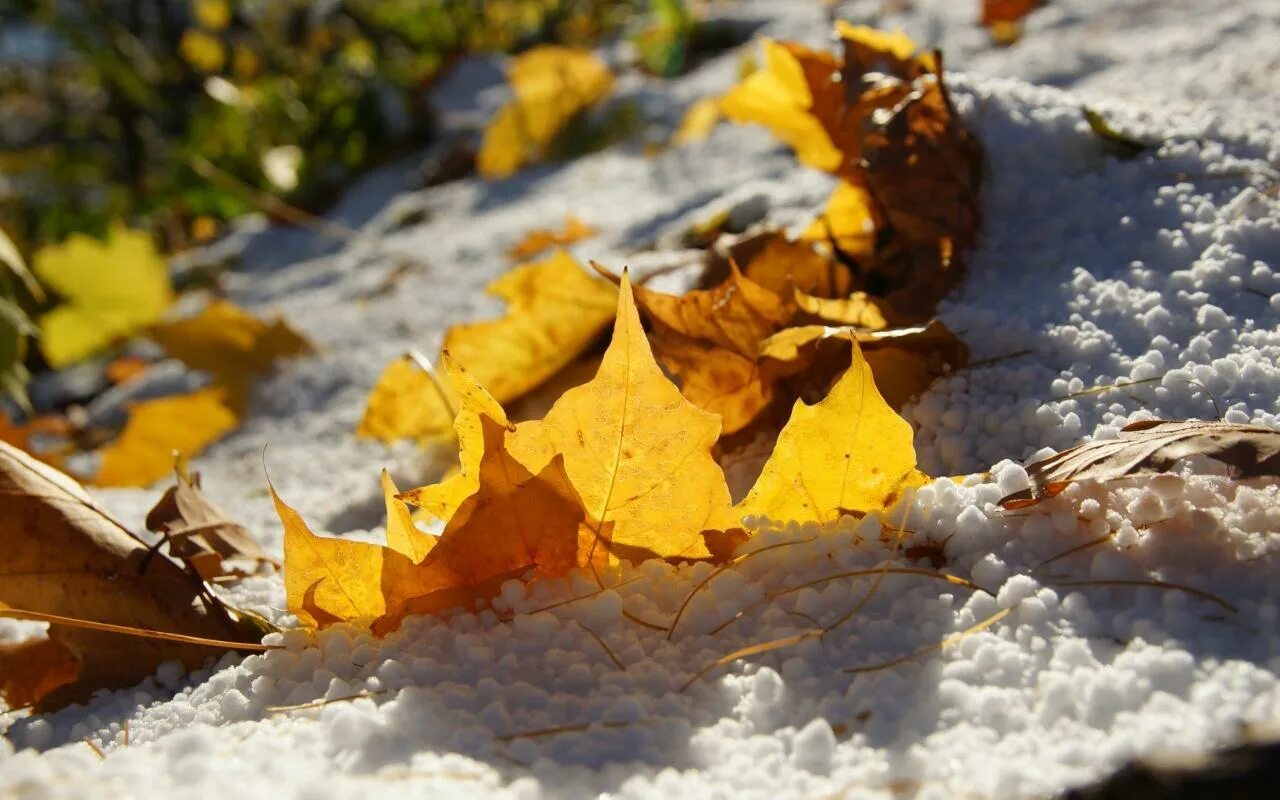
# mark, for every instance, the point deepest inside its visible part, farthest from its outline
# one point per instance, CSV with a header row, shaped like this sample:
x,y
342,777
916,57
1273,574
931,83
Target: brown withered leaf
x,y
66,556
1153,446
1003,18
784,267
203,535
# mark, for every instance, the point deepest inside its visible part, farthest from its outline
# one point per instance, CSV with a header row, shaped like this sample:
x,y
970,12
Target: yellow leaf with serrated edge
x,y
637,452
402,535
848,454
779,97
328,580
552,84
184,424
112,289
442,499
555,310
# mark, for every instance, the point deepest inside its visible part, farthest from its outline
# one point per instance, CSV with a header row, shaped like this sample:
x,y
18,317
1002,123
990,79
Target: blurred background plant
x,y
115,112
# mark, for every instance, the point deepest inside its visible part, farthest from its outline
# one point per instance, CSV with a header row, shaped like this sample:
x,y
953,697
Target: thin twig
x,y
617,661
943,643
271,204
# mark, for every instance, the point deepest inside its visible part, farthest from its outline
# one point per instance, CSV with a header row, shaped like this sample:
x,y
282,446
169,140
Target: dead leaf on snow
x,y
1150,447
104,573
203,535
537,240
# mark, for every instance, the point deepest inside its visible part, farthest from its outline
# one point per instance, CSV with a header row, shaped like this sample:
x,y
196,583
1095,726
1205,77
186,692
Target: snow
x,y
1157,269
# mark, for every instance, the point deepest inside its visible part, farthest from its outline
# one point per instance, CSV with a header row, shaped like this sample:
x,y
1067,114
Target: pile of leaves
x,y
785,371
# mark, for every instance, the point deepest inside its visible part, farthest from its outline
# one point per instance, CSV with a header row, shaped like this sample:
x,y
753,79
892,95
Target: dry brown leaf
x,y
64,555
1154,446
537,240
34,669
555,311
1004,18
203,535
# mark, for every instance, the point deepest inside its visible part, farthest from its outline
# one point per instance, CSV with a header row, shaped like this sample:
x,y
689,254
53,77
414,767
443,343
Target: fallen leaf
x,y
540,239
797,109
714,378
1125,145
904,361
126,368
555,311
230,343
848,222
34,669
201,534
1153,446
1003,18
111,290
515,522
402,535
783,267
328,580
636,451
698,121
66,556
859,309
552,84
157,430
848,454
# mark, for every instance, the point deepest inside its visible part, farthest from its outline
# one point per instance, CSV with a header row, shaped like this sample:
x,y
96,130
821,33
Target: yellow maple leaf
x,y
847,454
781,266
230,343
637,452
552,84
112,289
555,310
540,239
402,535
184,424
328,580
781,97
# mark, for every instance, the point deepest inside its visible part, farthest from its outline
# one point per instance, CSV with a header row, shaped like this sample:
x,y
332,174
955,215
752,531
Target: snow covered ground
x,y
1106,270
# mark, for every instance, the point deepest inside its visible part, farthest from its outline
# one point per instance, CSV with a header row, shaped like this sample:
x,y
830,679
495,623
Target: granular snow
x,y
1139,617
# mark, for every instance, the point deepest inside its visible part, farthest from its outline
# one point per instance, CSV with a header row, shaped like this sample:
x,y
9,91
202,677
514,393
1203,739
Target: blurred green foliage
x,y
289,96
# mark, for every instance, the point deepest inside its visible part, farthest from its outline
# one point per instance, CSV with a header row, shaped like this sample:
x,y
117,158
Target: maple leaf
x,y
1153,446
1003,18
104,574
848,454
201,534
157,429
540,239
555,310
783,267
796,109
402,535
112,289
230,343
552,84
637,452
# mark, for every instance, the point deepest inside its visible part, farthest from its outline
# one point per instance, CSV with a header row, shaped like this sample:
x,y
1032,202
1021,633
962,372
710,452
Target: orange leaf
x,y
539,239
183,424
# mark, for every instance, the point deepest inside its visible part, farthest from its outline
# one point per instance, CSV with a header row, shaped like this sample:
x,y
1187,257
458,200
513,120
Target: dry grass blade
x,y
944,643
72,622
857,573
754,649
586,596
556,730
609,652
1072,551
271,204
644,623
1102,389
1158,584
97,751
720,570
322,703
